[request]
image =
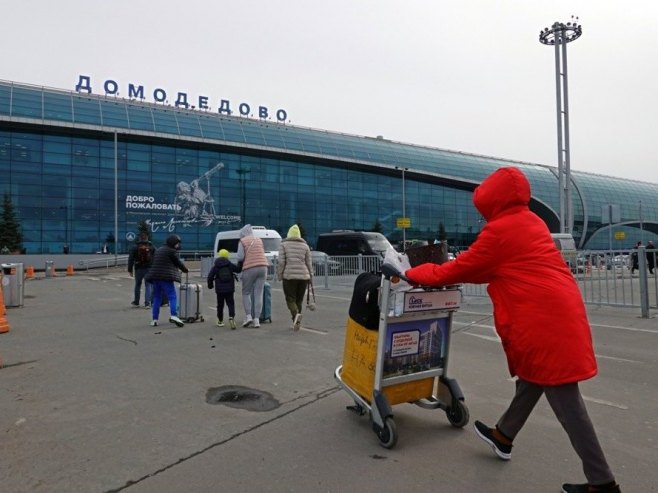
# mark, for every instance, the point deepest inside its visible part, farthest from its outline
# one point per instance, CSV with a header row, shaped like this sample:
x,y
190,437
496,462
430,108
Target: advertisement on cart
x,y
415,345
421,301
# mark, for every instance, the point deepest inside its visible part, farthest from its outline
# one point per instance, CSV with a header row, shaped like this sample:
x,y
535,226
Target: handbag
x,y
310,292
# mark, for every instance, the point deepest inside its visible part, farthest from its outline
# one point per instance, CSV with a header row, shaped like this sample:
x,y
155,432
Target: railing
x,y
608,277
339,270
195,255
604,277
106,261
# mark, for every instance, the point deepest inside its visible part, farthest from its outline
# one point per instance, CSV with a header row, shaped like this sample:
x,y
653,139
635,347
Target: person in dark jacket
x,y
635,260
164,271
140,259
548,352
651,256
222,278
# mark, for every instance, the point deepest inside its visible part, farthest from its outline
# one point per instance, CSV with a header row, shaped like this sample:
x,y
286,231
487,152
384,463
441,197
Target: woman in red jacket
x,y
529,286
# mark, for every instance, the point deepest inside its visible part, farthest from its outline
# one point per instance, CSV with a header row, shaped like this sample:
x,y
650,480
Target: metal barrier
x,y
342,270
605,277
106,261
610,278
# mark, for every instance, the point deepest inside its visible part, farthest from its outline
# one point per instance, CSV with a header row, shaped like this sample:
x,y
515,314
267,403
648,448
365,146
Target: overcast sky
x,y
467,75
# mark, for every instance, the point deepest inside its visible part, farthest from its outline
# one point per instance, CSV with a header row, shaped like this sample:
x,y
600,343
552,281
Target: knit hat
x,y
223,253
294,232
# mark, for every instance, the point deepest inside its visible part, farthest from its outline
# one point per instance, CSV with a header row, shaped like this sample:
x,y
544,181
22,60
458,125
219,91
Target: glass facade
x,y
60,164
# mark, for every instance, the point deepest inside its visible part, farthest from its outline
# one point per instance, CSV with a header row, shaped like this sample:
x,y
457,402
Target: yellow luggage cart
x,y
406,360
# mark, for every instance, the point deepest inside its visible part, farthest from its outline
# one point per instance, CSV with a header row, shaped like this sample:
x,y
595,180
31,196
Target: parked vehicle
x,y
348,242
618,261
320,260
229,240
567,247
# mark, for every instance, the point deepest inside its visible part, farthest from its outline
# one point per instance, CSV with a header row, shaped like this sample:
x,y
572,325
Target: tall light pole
x,y
404,210
559,35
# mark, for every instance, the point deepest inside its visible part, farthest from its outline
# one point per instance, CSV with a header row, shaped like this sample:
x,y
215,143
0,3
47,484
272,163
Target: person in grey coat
x,y
295,269
164,271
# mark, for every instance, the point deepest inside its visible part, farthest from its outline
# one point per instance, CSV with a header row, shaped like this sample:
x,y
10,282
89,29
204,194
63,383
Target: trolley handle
x,y
389,271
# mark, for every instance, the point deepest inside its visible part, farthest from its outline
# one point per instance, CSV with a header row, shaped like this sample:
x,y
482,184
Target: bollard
x,y
29,272
69,270
50,269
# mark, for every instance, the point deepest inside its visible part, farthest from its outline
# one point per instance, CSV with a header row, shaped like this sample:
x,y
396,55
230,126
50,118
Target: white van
x,y
229,240
567,247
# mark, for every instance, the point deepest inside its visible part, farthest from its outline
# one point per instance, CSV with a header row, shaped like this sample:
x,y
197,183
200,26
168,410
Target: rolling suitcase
x,y
190,299
266,312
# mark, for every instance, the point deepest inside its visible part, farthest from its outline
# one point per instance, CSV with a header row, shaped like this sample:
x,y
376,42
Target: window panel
x,y
57,107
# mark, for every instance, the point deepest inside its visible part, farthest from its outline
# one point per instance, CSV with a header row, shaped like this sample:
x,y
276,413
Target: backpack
x,y
224,274
364,307
144,254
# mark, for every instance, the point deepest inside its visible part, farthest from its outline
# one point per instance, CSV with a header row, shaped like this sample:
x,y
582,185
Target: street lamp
x,y
243,196
404,211
559,35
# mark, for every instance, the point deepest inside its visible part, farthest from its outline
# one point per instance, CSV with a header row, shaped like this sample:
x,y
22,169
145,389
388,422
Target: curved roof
x,y
53,107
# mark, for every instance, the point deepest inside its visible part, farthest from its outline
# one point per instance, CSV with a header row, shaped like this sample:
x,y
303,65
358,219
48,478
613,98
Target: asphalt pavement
x,y
93,399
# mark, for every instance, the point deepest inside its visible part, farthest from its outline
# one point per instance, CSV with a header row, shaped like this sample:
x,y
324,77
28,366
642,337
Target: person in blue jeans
x,y
164,271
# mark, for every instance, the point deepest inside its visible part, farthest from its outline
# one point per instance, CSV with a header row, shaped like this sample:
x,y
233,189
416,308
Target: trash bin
x,y
13,284
50,268
206,265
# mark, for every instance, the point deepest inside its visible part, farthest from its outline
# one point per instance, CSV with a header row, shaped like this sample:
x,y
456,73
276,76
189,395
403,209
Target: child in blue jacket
x,y
222,277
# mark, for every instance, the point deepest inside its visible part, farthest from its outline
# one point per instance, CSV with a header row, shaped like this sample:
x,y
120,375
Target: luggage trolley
x,y
409,362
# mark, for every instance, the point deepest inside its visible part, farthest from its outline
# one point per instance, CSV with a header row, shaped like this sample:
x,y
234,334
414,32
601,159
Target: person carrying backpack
x,y
222,278
139,262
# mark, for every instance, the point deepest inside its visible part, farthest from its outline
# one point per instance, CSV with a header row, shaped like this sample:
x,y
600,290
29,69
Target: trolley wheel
x,y
388,435
457,413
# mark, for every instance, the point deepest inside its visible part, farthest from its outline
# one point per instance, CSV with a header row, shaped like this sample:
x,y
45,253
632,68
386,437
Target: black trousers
x,y
229,299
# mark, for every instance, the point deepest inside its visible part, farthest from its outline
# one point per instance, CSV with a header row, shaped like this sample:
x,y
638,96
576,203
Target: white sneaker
x,y
174,319
247,322
297,324
256,323
154,323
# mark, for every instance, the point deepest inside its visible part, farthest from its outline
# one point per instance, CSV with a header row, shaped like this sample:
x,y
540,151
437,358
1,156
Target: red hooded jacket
x,y
538,309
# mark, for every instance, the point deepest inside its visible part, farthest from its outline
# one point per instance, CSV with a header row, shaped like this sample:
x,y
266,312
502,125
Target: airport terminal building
x,y
85,169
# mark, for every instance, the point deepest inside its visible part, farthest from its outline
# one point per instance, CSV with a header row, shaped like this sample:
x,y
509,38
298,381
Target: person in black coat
x,y
164,271
222,278
635,260
651,256
139,262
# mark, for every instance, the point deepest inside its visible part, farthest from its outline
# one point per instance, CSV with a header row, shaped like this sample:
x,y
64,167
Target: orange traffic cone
x,y
69,270
29,272
4,325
